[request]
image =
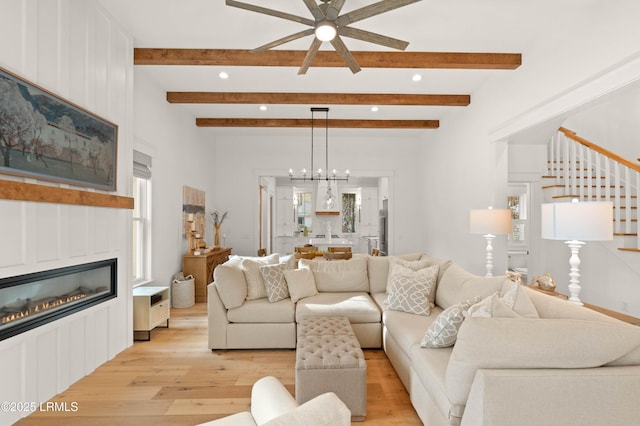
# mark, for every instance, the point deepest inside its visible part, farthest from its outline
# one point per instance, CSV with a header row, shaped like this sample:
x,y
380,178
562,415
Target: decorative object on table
x,y
217,219
575,223
47,137
544,282
490,222
514,276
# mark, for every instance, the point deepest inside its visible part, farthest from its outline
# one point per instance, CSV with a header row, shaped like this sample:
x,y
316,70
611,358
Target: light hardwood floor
x,y
176,380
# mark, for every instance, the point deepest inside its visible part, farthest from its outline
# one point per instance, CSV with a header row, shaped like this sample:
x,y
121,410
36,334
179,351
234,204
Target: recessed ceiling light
x,y
223,75
263,107
374,109
416,77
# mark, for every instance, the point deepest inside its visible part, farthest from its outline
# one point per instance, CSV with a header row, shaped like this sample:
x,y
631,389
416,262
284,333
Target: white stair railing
x,y
589,172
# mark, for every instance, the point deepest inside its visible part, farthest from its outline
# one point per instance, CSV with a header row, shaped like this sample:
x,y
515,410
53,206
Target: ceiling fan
x,y
328,25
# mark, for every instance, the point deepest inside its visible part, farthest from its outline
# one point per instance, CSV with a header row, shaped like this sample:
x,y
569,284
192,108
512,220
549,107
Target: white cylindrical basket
x,y
183,292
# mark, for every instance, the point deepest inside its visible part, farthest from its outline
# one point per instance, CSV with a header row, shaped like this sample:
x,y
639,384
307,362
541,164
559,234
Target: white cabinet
x,y
369,212
285,214
150,308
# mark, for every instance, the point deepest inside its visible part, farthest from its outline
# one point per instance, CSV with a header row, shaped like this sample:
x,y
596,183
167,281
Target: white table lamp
x,y
575,223
490,222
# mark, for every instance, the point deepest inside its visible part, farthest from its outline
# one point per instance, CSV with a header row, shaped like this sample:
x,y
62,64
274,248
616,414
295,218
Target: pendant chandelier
x,y
319,174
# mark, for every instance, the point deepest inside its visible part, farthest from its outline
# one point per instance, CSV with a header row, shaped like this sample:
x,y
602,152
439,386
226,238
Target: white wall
x,y
180,157
597,39
239,159
76,51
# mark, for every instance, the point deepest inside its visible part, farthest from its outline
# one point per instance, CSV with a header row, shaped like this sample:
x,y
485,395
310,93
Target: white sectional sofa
x,y
518,357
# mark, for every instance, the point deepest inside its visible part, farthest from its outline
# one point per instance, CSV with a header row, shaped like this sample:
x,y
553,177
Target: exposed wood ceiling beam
x,y
317,98
326,58
306,122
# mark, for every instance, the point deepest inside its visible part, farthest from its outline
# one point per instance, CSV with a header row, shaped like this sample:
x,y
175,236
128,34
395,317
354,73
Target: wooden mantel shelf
x,y
21,191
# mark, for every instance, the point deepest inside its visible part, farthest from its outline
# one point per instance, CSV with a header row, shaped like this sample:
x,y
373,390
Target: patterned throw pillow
x,y
251,268
409,290
443,332
274,282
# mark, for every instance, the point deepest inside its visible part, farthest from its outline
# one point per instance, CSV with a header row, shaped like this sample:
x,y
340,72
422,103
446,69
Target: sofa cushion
x,y
407,329
231,284
251,268
301,283
338,275
263,311
410,289
533,343
458,285
274,282
357,306
443,332
430,365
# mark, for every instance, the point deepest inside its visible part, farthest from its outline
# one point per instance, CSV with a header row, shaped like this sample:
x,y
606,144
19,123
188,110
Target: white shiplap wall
x,y
76,50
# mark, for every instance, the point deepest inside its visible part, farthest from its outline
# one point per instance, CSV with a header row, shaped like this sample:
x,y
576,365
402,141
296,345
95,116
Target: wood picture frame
x,y
46,137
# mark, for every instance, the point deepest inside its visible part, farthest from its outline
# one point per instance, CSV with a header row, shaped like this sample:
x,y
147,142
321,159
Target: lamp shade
x,y
583,221
490,221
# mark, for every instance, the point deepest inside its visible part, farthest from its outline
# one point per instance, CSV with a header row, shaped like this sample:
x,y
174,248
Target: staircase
x,y
578,168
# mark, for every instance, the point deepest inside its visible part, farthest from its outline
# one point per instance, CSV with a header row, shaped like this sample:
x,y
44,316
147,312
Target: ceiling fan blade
x,y
283,40
334,9
371,10
344,53
315,46
375,38
314,9
270,12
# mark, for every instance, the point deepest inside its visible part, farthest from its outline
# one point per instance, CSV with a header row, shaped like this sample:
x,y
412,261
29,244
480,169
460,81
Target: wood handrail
x,y
615,157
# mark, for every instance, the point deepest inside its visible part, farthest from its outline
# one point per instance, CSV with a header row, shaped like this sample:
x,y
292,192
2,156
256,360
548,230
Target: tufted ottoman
x,y
329,359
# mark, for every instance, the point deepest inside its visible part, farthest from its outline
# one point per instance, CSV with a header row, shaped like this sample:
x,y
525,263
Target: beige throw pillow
x,y
301,283
274,282
414,265
409,291
251,268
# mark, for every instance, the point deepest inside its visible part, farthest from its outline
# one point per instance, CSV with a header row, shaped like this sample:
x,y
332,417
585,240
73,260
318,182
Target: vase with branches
x,y
216,219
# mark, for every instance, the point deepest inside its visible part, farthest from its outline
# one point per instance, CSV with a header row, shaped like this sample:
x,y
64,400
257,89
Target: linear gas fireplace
x,y
31,300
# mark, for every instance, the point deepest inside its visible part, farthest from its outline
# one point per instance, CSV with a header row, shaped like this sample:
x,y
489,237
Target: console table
x,y
201,267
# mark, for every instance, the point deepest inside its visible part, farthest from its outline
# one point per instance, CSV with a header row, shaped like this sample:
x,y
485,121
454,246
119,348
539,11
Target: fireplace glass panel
x,y
31,300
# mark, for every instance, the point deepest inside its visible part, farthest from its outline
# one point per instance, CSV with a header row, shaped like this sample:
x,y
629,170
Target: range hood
x,y
327,198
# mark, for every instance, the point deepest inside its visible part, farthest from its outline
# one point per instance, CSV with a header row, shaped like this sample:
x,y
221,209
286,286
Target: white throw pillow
x,y
231,284
510,303
410,289
443,332
301,283
274,282
251,268
414,265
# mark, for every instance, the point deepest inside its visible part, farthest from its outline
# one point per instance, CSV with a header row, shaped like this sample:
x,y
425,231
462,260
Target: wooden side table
x,y
202,267
150,309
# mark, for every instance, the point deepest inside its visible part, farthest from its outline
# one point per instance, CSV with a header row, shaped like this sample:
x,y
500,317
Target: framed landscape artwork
x,y
46,137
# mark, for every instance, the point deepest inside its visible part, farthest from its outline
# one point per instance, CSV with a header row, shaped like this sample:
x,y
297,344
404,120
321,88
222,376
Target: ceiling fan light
x,y
326,31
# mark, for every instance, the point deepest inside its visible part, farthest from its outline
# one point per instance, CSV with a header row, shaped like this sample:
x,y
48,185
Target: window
x,y
349,204
304,209
141,235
